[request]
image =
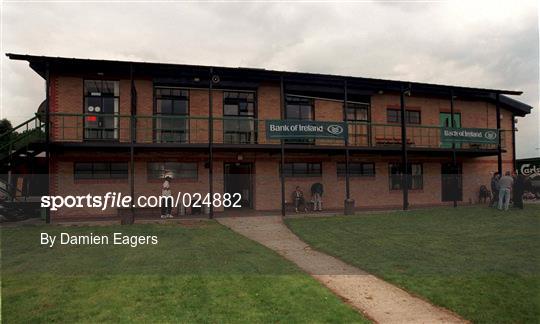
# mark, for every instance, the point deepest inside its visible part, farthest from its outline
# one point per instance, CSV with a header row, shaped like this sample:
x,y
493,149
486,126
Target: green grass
x,y
479,262
200,273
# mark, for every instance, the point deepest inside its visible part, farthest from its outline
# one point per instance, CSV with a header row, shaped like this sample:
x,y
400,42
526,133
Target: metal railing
x,y
30,131
162,129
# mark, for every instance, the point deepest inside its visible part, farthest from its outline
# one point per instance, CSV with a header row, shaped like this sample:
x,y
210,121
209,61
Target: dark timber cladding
x,y
315,85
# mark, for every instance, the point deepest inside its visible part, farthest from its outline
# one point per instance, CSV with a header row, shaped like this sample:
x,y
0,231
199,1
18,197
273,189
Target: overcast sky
x,y
485,44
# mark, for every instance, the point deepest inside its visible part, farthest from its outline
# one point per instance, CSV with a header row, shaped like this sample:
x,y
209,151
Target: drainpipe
x,y
211,142
499,149
454,166
404,161
282,164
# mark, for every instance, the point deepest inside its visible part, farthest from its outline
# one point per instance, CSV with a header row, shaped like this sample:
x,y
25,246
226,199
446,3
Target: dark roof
x,y
312,80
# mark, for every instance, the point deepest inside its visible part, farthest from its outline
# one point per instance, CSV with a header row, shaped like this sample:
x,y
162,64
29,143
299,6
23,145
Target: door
x,y
451,182
238,179
446,121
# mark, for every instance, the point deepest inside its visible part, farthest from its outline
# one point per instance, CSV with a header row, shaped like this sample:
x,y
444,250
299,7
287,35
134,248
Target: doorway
x,y
451,182
238,179
446,121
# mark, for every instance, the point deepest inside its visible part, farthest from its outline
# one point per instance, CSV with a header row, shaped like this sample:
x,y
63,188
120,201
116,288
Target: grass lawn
x,y
197,273
479,262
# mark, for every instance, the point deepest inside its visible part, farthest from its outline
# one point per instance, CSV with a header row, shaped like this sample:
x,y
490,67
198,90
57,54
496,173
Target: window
x,y
356,169
415,171
238,123
303,169
299,108
172,110
357,111
180,170
394,116
100,170
101,100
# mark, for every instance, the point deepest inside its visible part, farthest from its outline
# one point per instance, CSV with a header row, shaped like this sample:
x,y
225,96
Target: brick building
x,y
116,126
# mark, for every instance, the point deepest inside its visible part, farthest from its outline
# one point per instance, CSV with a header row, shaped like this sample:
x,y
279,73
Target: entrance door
x,y
446,121
238,179
451,182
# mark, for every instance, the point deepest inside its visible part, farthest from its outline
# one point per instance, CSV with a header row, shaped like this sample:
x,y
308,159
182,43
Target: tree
x,y
5,125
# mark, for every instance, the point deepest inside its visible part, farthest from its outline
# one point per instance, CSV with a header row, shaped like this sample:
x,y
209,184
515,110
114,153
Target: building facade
x,y
117,126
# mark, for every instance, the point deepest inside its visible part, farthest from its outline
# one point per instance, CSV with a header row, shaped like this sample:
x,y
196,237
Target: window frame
x,y
394,179
358,106
307,174
151,175
93,175
158,115
362,174
407,114
116,114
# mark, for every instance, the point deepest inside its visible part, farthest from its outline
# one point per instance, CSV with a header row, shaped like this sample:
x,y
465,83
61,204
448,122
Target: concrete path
x,y
377,299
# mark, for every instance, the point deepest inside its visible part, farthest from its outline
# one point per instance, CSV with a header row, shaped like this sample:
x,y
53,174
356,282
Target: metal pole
x,y
404,172
211,142
282,164
514,142
48,137
132,146
499,150
347,177
454,166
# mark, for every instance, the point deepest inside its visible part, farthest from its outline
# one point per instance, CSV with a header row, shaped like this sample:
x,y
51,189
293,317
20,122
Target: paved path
x,y
379,300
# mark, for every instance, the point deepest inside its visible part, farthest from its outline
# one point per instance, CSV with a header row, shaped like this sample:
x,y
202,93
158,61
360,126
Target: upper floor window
x,y
180,170
301,169
101,104
356,169
100,170
416,180
238,125
239,103
357,111
411,116
172,109
299,108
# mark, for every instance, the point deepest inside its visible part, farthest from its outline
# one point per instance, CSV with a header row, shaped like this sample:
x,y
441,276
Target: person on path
x,y
298,196
494,189
166,201
505,186
317,191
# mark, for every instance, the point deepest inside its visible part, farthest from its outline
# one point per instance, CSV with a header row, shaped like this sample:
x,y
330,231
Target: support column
x,y
282,163
348,203
48,136
132,121
404,160
454,165
211,142
499,149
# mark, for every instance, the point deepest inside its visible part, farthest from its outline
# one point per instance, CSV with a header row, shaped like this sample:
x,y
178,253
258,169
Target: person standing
x,y
505,186
166,199
494,189
298,196
519,189
317,192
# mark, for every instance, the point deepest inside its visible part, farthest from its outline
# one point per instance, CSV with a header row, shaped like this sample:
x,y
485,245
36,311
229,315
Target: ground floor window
x,y
100,170
416,180
301,169
180,170
356,169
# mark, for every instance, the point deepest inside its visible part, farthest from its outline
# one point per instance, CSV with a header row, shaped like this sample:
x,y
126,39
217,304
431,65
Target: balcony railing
x,y
232,130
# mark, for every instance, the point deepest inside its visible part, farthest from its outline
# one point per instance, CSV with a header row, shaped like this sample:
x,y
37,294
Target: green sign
x,y
294,129
470,135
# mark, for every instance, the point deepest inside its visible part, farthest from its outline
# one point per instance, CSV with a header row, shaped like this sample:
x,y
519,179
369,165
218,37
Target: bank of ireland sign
x,y
470,135
294,129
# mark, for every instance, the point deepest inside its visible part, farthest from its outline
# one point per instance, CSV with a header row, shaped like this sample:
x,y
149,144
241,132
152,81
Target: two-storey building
x,y
118,126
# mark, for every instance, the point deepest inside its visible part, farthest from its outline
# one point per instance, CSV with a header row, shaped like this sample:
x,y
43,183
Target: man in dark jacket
x,y
494,190
519,189
316,193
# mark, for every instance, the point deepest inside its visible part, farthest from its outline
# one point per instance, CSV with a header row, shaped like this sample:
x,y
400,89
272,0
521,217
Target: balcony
x,y
234,131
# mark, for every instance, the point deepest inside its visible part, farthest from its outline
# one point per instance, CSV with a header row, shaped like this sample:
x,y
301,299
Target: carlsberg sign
x,y
470,135
293,129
